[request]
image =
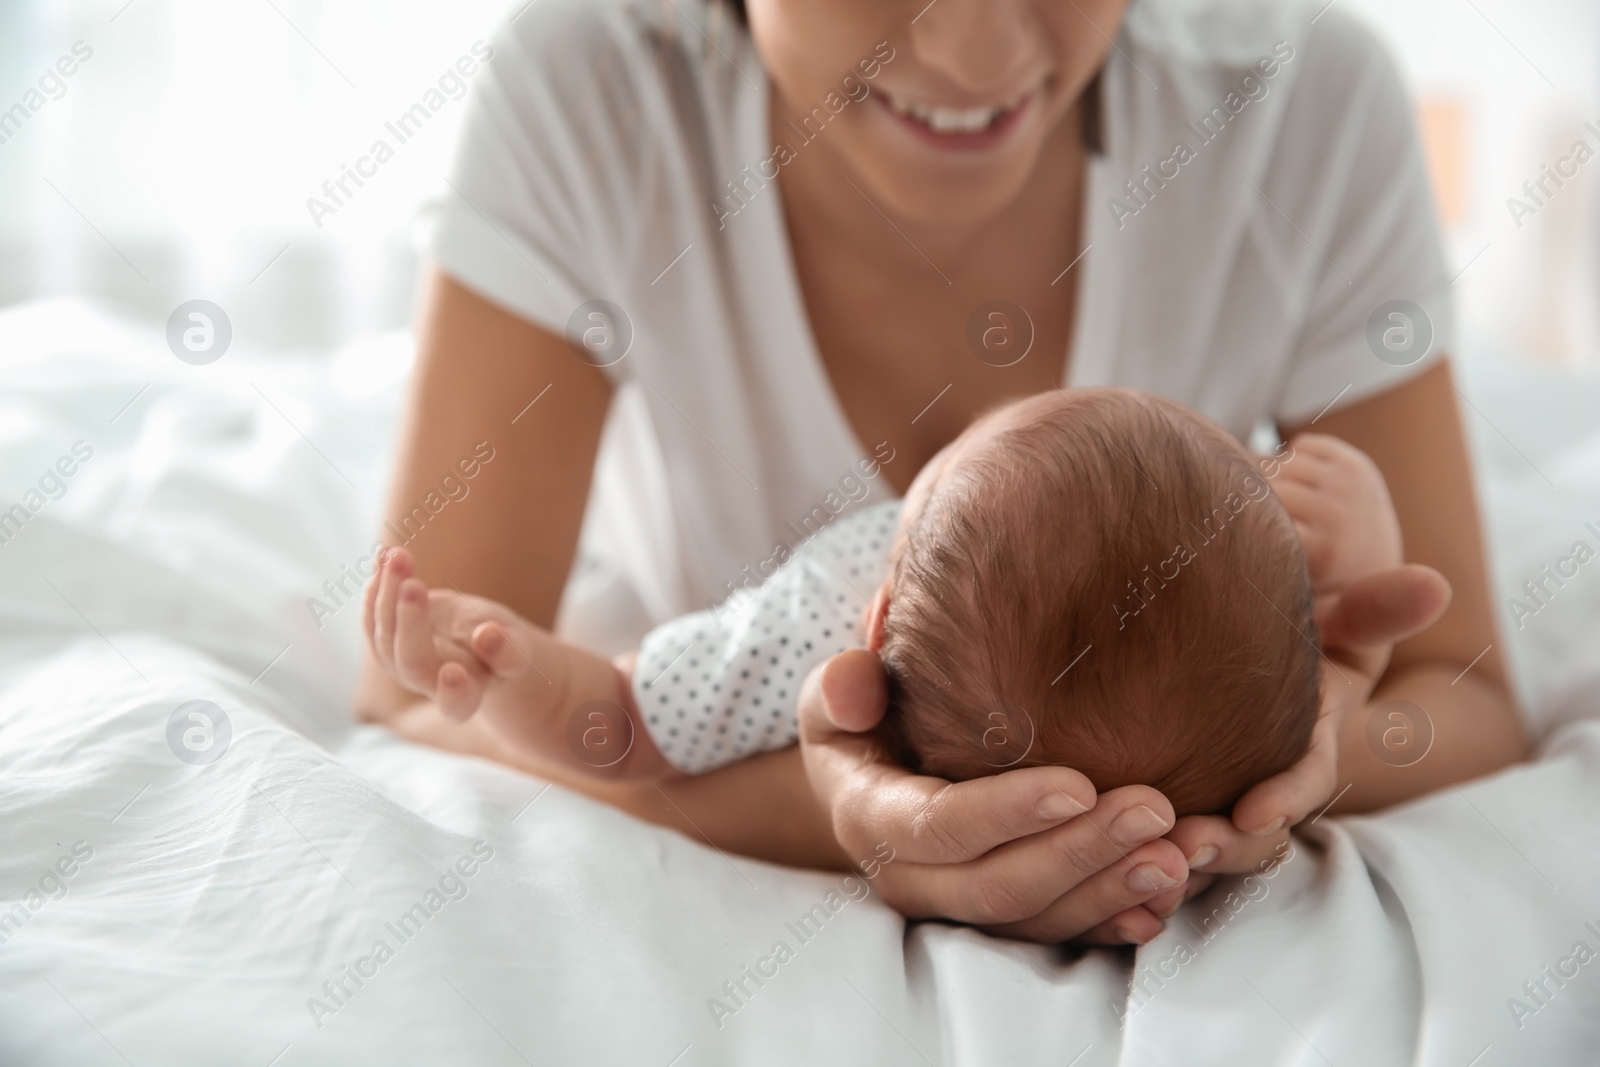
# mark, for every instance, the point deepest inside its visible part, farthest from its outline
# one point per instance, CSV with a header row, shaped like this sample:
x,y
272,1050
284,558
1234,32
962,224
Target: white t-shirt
x,y
593,165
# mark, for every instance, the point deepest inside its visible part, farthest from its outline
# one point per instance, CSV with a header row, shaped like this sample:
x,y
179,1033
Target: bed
x,y
206,861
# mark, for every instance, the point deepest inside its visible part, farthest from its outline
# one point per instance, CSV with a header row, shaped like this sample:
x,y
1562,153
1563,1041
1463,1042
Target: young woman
x,y
776,258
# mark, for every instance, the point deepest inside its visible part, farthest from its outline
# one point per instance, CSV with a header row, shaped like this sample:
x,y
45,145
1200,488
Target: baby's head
x,y
1099,579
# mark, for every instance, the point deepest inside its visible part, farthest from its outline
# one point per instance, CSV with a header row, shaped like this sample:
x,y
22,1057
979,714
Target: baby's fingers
x,y
416,663
457,692
369,599
392,573
493,646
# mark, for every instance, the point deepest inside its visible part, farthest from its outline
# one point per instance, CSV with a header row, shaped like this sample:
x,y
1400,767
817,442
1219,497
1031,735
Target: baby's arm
x,y
720,685
710,688
549,700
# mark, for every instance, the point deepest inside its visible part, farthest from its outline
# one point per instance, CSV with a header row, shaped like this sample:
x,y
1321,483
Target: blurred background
x,y
176,161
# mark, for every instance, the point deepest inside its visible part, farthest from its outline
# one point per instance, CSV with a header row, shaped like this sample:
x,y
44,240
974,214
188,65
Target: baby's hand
x,y
1341,508
456,649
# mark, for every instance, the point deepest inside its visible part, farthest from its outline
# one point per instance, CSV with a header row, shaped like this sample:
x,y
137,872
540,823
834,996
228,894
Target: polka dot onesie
x,y
720,685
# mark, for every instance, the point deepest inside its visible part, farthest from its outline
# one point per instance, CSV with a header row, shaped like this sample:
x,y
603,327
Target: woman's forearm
x,y
761,807
1474,725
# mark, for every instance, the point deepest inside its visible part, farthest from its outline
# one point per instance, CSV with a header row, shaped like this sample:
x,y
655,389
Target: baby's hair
x,y
1105,583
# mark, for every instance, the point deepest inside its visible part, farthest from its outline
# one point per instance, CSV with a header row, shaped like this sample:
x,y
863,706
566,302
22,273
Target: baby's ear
x,y
872,621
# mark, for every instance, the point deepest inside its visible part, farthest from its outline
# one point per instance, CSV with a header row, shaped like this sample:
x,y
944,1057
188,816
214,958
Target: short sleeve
x,y
538,207
1379,310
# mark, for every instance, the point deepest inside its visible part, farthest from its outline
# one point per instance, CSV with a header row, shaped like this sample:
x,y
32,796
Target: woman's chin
x,y
912,185
922,200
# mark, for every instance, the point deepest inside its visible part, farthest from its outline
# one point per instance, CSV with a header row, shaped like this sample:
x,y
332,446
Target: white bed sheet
x,y
217,899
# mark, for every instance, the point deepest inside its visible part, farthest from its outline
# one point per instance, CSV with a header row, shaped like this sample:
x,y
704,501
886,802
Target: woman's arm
x,y
513,536
1413,433
761,807
513,539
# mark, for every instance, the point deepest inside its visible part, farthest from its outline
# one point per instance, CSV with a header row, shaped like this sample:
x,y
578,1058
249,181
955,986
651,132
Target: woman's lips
x,y
958,129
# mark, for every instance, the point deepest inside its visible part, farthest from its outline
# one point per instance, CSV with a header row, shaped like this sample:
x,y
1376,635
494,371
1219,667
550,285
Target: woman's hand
x,y
1366,601
1030,853
1358,629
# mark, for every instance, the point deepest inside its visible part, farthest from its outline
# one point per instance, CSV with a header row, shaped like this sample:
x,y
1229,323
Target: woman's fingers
x,y
837,758
1163,905
926,820
1145,872
1135,926
1203,839
1289,796
1032,852
1024,877
1144,922
929,820
1213,845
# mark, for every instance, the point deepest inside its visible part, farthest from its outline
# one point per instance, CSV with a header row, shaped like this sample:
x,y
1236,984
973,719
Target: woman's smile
x,y
955,128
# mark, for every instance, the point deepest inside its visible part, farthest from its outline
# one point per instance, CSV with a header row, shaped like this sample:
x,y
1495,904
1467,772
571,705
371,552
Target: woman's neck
x,y
826,198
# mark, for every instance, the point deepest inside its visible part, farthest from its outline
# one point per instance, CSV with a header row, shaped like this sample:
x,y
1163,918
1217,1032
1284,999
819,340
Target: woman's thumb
x,y
1383,608
855,691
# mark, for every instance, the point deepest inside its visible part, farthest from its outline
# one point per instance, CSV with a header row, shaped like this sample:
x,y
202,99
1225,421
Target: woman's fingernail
x,y
1149,877
1136,825
1127,934
1166,911
1272,828
1203,857
1053,807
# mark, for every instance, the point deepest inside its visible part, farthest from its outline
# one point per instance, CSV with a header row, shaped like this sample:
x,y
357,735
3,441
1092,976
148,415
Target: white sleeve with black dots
x,y
717,686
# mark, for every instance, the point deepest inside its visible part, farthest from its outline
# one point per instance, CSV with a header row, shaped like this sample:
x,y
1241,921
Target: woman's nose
x,y
979,45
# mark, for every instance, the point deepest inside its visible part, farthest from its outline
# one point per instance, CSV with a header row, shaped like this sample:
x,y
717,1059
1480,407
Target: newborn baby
x,y
1142,601
1098,578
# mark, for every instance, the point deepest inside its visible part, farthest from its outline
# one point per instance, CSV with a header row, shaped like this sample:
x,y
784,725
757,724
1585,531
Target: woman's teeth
x,y
951,119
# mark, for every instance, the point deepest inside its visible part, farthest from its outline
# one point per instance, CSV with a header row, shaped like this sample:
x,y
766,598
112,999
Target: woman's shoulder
x,y
1234,33
590,138
1266,147
1207,44
1299,74
627,56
